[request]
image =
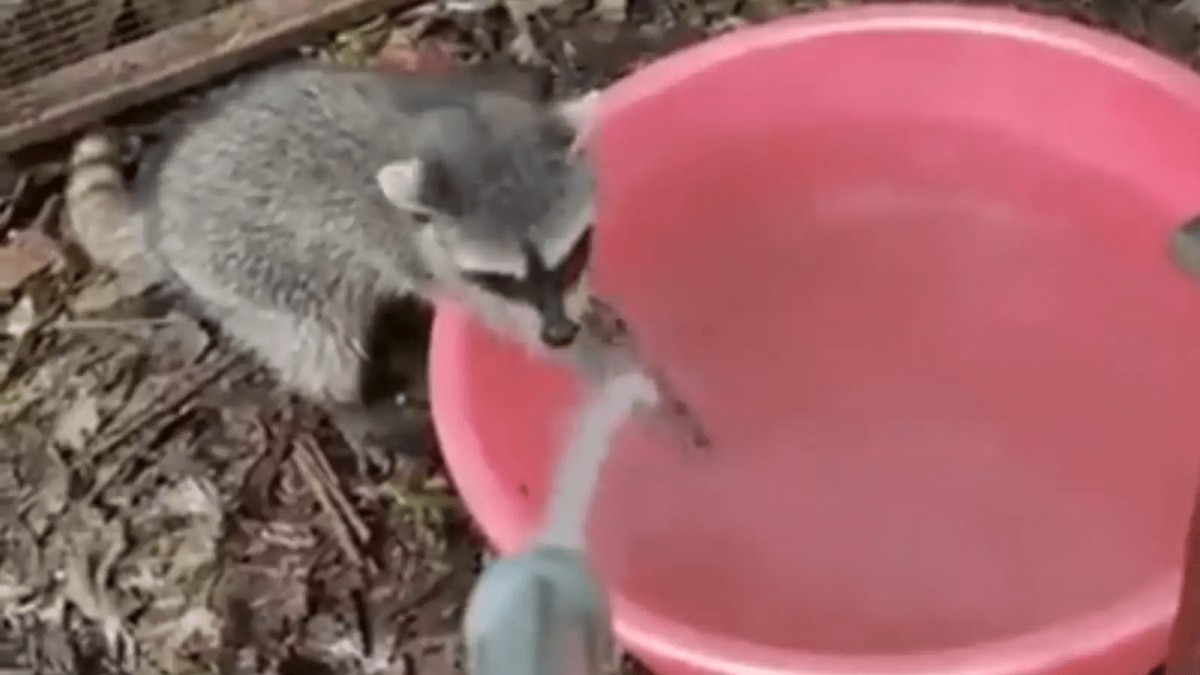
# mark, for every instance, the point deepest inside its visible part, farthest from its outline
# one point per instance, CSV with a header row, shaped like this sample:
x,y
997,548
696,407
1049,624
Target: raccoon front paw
x,y
382,434
680,420
669,413
370,458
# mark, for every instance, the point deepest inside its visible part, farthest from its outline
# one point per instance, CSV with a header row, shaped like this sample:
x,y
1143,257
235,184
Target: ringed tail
x,y
98,204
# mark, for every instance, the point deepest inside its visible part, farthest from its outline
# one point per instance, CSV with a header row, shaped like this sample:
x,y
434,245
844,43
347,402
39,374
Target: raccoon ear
x,y
438,190
401,182
578,112
421,185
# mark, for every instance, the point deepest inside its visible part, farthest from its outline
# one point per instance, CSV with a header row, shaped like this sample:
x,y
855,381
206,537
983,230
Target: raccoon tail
x,y
99,206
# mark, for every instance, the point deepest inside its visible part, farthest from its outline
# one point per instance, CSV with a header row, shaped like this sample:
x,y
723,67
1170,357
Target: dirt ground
x,y
164,509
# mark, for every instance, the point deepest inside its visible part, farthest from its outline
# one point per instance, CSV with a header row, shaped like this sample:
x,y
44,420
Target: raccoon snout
x,y
577,301
559,328
560,333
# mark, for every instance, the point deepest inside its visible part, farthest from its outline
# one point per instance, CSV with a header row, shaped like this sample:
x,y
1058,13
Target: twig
x,y
25,345
361,531
423,643
147,416
417,599
10,203
111,324
321,490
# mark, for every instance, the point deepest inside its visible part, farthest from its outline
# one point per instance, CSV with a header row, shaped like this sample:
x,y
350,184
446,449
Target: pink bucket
x,y
908,264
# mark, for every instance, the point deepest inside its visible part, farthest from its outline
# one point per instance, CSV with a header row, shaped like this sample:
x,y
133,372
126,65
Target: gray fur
x,y
303,201
266,208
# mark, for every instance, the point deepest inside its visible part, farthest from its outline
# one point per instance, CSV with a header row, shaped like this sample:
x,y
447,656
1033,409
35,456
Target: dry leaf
x,y
178,342
99,296
78,423
18,263
94,549
358,46
42,468
430,56
38,244
614,11
764,10
20,318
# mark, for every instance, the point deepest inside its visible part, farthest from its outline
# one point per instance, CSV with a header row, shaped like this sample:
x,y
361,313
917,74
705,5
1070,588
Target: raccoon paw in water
x,y
663,410
667,411
674,416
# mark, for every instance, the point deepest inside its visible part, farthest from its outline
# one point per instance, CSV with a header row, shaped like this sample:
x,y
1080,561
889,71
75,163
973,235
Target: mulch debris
x,y
165,510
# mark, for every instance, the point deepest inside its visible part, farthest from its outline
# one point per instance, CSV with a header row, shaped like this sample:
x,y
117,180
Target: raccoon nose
x,y
560,333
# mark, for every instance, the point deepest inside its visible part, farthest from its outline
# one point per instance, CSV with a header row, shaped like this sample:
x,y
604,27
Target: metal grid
x,y
39,36
65,63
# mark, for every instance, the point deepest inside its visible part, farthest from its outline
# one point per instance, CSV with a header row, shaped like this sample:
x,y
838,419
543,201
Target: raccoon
x,y
301,199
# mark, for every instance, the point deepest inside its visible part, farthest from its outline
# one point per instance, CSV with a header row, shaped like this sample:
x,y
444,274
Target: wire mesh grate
x,y
65,63
38,37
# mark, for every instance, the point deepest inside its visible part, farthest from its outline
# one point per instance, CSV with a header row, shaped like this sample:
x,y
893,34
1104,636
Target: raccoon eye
x,y
505,285
421,217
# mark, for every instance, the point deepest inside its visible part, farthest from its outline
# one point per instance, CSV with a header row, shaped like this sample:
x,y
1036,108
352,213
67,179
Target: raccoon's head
x,y
506,200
